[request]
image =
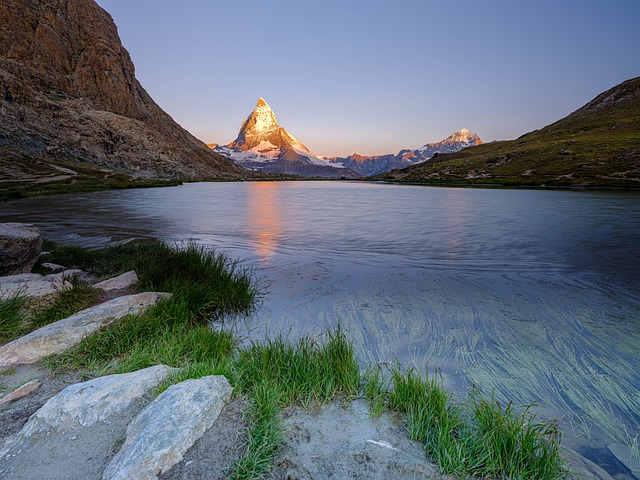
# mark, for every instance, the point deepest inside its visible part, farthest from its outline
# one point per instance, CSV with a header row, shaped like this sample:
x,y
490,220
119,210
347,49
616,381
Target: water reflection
x,y
264,218
533,295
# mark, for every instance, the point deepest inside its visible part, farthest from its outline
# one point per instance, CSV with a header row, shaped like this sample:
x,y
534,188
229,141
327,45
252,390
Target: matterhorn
x,y
263,145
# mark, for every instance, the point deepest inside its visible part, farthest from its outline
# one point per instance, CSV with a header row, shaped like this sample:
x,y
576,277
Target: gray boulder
x,y
121,282
34,286
161,434
61,335
20,246
85,404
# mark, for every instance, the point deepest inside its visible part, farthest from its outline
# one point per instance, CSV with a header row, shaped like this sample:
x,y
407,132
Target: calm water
x,y
531,294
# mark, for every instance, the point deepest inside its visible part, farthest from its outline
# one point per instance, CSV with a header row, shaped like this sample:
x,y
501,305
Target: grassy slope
x,y
598,145
31,178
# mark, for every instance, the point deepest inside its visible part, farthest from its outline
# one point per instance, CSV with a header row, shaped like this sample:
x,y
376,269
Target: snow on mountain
x,y
263,145
372,165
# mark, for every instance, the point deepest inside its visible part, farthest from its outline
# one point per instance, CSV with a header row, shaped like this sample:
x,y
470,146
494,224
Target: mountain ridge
x,y
598,145
367,165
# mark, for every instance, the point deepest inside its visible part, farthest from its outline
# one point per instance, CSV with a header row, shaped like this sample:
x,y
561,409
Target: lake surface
x,y
533,295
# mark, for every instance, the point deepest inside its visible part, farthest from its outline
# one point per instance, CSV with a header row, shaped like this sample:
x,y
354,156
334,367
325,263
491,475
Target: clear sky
x,y
372,76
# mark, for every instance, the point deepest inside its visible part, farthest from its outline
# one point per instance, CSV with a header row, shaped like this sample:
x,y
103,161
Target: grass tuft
x,y
265,433
80,296
484,440
12,318
302,371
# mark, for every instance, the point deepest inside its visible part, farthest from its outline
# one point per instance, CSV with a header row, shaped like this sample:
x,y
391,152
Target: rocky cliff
x,y
263,145
68,93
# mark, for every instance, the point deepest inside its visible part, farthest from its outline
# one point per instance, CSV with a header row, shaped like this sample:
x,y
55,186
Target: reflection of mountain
x,y
263,145
265,222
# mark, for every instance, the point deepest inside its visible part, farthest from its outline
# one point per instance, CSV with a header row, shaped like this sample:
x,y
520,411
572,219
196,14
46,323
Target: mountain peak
x,y
463,135
261,132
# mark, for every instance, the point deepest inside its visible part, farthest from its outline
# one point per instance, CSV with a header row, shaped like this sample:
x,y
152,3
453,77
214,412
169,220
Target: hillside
x,y
598,145
71,106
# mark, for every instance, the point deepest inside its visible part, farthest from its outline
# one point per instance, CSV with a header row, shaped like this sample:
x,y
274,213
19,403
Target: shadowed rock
x,y
59,336
20,246
168,427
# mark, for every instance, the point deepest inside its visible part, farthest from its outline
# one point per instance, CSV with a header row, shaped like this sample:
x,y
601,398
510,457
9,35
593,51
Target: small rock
x,y
121,282
53,267
168,427
63,334
85,404
20,247
20,392
35,286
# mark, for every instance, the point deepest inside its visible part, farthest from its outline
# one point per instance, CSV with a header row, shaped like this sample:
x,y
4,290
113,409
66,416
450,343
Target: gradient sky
x,y
372,76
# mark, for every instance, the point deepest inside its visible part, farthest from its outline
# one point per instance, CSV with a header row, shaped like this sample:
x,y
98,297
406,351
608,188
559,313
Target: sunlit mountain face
x,y
263,145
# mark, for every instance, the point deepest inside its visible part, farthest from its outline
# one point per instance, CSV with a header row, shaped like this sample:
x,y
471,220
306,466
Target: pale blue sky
x,y
373,76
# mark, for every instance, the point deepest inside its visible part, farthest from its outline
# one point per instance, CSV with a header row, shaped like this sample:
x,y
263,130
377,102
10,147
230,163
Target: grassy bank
x,y
477,437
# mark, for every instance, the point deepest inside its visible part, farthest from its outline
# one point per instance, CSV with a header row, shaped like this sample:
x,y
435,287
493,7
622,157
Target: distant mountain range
x,y
372,165
598,145
263,145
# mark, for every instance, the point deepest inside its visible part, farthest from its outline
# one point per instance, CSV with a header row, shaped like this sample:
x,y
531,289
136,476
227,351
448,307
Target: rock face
x,y
59,336
168,427
263,145
68,93
373,165
20,246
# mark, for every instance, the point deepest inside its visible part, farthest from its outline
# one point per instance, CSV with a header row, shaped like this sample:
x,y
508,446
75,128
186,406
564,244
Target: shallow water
x,y
530,294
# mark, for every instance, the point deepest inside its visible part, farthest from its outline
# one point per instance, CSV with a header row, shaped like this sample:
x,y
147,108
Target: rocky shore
x,y
116,427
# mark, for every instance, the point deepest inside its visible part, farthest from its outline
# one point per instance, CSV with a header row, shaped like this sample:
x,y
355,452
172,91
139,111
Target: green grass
x,y
276,374
597,146
12,318
203,285
80,296
479,439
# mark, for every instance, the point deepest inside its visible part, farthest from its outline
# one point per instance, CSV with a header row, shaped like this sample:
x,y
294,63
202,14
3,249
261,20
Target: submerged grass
x,y
481,439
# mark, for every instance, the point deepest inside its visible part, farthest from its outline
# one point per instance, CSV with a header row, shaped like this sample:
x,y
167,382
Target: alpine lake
x,y
532,296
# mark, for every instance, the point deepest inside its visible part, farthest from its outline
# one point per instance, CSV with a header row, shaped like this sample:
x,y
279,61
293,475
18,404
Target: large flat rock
x,y
85,404
73,435
59,336
20,247
158,437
